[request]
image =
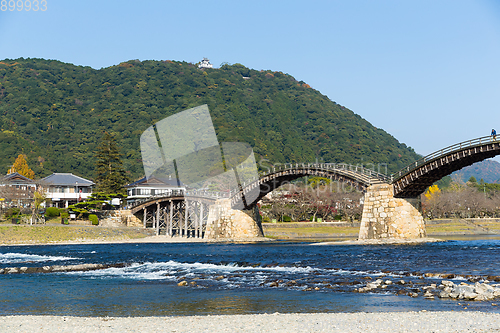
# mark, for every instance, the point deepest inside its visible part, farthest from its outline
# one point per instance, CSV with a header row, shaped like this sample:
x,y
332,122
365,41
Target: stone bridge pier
x,y
224,222
387,217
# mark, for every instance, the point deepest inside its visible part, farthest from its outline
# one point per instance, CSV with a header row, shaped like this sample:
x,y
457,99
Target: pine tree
x,y
21,166
110,174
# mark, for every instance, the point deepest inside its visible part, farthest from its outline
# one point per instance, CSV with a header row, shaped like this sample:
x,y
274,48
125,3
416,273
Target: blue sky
x,y
427,72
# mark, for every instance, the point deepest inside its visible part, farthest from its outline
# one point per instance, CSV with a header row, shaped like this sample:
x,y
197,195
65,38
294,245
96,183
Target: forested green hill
x,y
487,170
56,114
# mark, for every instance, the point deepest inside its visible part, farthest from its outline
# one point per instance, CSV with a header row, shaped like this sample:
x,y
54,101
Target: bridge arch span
x,y
162,200
355,176
184,216
413,180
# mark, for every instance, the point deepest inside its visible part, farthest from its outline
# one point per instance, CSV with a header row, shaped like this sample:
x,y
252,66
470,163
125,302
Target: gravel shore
x,y
315,322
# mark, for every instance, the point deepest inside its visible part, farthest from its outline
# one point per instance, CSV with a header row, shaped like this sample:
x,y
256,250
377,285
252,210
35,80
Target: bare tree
x,y
313,200
462,201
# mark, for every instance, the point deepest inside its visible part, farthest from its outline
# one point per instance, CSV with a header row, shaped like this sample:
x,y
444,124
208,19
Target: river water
x,y
239,278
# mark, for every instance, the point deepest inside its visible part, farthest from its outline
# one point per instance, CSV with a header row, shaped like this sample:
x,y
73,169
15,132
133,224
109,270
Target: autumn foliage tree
x,y
432,202
21,166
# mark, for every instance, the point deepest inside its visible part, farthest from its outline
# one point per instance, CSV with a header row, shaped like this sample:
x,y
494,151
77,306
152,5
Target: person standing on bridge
x,y
494,134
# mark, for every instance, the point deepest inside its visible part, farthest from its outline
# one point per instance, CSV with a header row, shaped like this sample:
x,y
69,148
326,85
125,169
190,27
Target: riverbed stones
x,y
387,217
428,294
477,292
11,270
447,283
58,268
372,285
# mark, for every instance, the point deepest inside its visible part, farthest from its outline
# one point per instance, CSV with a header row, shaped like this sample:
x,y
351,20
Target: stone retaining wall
x,y
129,219
121,218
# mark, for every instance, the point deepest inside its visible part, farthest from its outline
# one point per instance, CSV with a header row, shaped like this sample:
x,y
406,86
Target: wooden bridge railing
x,y
359,169
171,194
437,154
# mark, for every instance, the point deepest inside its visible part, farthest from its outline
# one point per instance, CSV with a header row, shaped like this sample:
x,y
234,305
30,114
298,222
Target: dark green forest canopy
x,y
56,113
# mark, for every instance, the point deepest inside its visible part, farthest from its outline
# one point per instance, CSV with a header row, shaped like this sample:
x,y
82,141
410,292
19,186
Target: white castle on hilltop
x,y
205,63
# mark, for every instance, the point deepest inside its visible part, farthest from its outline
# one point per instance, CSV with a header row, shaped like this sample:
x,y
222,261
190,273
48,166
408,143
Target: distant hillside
x,y
56,114
488,170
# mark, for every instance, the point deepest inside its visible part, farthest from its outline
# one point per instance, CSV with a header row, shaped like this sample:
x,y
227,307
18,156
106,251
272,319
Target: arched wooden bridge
x,y
187,215
409,182
354,176
413,180
175,215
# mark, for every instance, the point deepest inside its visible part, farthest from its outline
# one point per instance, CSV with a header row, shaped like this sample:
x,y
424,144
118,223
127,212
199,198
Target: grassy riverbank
x,y
340,230
305,231
463,227
43,234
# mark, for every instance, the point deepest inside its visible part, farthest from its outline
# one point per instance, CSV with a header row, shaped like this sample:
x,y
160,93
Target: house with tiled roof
x,y
16,190
64,189
145,188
